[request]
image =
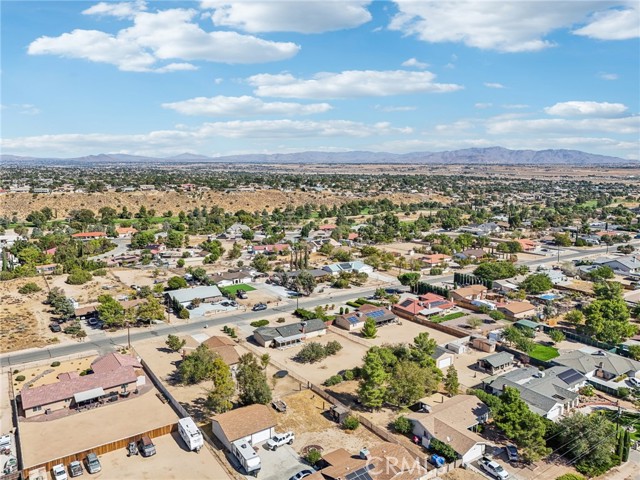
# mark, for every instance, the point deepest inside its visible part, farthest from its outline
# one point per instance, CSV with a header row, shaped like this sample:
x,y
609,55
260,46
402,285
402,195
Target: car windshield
x,y
499,468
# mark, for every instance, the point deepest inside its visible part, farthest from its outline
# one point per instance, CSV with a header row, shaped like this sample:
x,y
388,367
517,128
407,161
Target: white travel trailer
x,y
190,433
247,456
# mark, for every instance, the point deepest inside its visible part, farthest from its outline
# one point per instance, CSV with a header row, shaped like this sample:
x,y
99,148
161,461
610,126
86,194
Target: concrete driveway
x,y
280,464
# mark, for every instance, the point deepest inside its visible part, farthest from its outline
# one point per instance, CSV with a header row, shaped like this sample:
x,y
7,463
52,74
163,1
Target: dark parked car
x,y
512,453
75,469
55,327
259,306
146,446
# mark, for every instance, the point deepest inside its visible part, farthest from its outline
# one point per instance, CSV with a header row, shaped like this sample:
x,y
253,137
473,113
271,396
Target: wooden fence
x,y
453,331
102,449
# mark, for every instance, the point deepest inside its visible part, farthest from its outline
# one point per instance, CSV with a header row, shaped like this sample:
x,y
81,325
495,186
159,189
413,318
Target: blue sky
x,y
218,77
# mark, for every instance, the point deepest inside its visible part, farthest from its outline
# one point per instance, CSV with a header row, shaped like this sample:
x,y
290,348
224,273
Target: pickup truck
x,y
494,468
280,439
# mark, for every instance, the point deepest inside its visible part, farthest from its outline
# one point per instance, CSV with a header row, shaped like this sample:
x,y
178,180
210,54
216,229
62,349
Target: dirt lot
x,y
24,319
405,332
163,363
460,474
90,291
172,461
305,417
350,356
46,374
84,430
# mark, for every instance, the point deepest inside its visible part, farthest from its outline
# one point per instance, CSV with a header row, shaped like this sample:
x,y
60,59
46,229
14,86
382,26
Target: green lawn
x,y
543,352
626,419
444,318
235,288
589,203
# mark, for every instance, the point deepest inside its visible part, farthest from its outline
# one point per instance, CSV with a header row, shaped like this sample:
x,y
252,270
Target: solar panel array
x,y
406,303
361,473
375,314
570,376
353,319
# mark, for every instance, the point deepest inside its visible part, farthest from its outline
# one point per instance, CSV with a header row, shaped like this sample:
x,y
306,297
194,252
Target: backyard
x,y
543,352
444,318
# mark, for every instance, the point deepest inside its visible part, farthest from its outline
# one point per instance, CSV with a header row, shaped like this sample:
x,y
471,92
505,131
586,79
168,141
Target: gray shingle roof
x,y
285,331
585,362
188,294
498,359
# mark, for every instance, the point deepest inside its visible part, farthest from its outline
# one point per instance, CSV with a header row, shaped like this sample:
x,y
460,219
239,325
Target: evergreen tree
x,y
451,382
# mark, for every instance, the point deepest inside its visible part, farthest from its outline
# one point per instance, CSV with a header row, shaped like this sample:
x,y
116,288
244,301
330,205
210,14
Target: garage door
x,y
260,437
445,362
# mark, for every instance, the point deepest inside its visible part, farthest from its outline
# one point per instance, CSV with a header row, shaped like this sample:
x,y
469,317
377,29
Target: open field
x,y
24,319
84,430
21,204
405,332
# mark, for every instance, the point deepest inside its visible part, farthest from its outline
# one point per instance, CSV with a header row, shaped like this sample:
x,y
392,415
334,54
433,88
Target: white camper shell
x,y
247,456
191,434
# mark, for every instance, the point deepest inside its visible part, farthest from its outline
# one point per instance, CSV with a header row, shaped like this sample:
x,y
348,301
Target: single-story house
x,y
226,348
549,393
530,324
601,368
382,461
517,310
497,362
126,232
527,244
46,269
471,254
349,267
314,272
236,230
435,259
622,265
327,227
89,235
279,248
444,358
227,279
113,373
482,229
504,286
184,296
469,293
287,335
452,422
123,260
355,320
254,424
426,305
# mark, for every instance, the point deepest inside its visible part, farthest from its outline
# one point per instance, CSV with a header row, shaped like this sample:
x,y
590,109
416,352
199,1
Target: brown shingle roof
x,y
54,392
113,361
518,307
217,341
245,421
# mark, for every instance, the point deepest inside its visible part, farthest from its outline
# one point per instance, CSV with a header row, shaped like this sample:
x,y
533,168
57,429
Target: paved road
x,y
122,247
138,334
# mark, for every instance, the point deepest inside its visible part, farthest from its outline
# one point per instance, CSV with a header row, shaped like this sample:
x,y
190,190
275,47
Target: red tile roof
x,y
328,226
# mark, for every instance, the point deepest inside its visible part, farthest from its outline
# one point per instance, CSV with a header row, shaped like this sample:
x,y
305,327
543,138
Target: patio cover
x,y
88,395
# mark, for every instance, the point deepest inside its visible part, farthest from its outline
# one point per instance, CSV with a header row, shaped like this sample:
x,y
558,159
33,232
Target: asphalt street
x,y
108,343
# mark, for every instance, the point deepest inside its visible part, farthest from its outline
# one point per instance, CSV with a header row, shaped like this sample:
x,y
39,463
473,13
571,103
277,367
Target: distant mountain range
x,y
469,156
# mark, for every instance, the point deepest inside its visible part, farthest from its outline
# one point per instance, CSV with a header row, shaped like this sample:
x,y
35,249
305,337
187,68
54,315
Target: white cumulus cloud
x,y
350,83
621,126
414,62
586,109
162,36
243,105
520,26
116,9
613,24
493,85
309,16
608,76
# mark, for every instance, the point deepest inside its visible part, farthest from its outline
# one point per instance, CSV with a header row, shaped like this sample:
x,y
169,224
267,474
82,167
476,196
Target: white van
x,y
190,433
247,457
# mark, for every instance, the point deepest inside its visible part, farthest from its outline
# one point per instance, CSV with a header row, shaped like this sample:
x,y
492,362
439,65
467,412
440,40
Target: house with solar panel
x,y
426,305
290,335
355,321
349,267
550,393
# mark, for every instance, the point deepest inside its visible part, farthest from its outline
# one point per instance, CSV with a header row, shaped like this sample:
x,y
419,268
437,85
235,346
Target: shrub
x,y
435,271
333,380
350,423
570,476
624,392
312,352
349,375
332,347
100,272
55,364
305,314
313,456
184,313
443,449
79,277
29,288
402,425
259,323
281,320
20,378
496,315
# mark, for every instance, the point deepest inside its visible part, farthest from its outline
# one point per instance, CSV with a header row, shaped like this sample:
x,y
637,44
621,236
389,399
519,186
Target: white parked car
x,y
280,439
634,382
59,473
494,468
